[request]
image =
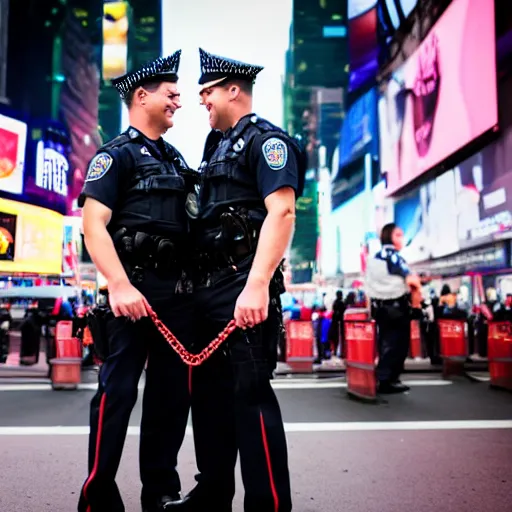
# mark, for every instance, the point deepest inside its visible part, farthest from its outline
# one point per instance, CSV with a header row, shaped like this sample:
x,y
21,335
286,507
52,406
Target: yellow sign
x,y
115,39
36,234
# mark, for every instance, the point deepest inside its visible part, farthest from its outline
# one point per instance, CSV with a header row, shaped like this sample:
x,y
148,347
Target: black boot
x,y
200,500
161,503
391,388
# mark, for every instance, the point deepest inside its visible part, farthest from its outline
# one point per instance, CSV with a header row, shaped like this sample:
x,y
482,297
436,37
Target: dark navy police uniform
x,y
388,291
145,184
234,408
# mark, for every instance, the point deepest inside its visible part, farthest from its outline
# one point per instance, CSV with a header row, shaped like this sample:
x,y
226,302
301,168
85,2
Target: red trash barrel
x,y
499,353
453,345
415,348
299,346
361,352
66,366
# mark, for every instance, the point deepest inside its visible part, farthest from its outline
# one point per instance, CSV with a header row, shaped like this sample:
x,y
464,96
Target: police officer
x,y
251,176
388,282
136,231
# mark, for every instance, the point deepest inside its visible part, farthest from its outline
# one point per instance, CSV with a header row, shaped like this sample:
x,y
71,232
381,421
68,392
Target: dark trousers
x,y
166,400
235,409
335,336
393,340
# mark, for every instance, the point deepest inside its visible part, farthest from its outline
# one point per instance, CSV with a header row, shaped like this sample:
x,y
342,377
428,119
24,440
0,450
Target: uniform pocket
x,y
167,196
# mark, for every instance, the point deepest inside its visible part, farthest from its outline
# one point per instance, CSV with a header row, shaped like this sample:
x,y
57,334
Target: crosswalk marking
x,y
295,428
280,384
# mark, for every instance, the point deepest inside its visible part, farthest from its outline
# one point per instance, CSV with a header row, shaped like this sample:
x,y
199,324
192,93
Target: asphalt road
x,y
442,447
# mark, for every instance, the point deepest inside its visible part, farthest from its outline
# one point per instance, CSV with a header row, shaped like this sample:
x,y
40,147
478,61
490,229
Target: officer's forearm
x,y
101,248
275,235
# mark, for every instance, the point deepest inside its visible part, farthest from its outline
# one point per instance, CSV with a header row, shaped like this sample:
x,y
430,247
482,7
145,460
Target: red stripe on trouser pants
x,y
269,463
97,452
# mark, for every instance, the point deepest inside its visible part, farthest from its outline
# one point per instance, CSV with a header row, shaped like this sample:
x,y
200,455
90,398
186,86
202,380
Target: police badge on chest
x,y
191,205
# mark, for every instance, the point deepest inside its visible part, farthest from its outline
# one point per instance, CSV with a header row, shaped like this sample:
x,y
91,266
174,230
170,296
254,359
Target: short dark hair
x,y
245,85
445,290
387,233
151,86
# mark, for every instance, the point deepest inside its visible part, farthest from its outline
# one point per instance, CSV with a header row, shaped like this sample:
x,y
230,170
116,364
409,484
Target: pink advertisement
x,y
443,97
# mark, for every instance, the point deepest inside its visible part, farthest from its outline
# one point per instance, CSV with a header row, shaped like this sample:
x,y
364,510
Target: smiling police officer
x,y
136,231
252,172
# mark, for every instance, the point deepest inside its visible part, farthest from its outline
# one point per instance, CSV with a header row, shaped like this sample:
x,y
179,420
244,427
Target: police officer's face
x,y
216,100
162,103
397,237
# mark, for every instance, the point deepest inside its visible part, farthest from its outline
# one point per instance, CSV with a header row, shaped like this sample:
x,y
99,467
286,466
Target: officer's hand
x,y
126,300
252,304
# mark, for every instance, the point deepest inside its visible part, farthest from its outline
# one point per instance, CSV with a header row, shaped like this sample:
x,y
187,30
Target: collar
x,y
240,126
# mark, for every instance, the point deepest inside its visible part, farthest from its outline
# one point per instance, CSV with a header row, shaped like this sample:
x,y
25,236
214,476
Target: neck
x,y
145,127
241,112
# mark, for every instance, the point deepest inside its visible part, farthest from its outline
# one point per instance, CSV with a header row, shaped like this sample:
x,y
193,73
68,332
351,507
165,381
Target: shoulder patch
x,y
275,152
99,166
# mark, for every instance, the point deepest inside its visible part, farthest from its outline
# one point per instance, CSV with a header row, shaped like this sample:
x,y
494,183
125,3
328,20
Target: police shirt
x,y
111,173
271,158
112,168
385,275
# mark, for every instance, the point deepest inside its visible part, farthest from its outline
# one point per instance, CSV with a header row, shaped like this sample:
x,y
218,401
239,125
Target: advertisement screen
x,y
358,139
362,41
443,97
37,236
468,206
13,143
48,177
115,42
7,236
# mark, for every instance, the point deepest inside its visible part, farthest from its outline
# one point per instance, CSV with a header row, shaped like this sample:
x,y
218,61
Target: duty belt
x,y
217,259
399,302
147,251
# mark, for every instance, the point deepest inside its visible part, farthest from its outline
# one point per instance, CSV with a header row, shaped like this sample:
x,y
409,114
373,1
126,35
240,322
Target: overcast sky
x,y
254,32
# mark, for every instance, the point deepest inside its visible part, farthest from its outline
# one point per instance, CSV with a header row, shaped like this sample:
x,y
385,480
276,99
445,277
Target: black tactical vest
x,y
153,199
227,179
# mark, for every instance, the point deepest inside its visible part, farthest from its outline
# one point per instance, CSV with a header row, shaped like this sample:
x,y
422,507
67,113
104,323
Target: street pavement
x,y
442,447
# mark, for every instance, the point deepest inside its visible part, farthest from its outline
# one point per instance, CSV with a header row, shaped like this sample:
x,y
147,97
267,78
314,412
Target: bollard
x,y
454,347
360,341
66,366
499,342
299,346
415,348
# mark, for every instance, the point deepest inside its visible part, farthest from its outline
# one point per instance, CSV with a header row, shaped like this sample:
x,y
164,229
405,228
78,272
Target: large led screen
x,y
362,41
115,39
30,238
13,143
443,97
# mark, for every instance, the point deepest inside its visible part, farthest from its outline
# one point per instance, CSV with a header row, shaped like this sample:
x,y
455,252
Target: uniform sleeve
x,y
103,179
397,266
275,163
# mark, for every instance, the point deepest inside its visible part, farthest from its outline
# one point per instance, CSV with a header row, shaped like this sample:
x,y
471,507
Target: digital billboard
x,y
443,97
48,176
362,41
13,143
465,207
37,236
358,138
115,39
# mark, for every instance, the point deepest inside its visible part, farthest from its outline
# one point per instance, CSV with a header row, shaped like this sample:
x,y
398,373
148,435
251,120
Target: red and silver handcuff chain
x,y
185,355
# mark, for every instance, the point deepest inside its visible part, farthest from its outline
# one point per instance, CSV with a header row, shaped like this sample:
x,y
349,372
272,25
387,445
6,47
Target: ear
x,y
234,92
141,94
